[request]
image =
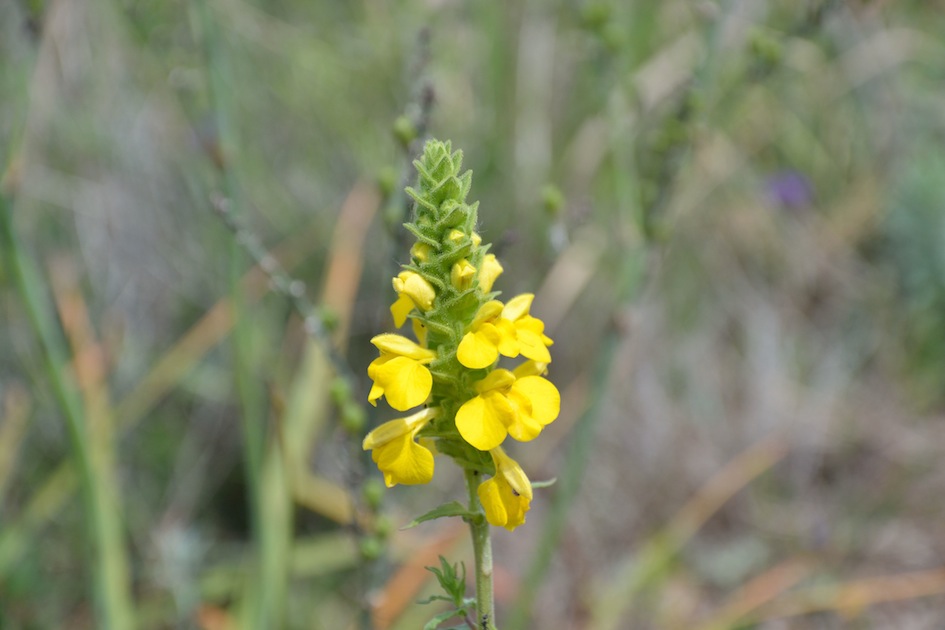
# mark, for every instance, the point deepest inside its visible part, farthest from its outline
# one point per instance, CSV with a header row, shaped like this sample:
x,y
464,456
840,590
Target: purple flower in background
x,y
789,189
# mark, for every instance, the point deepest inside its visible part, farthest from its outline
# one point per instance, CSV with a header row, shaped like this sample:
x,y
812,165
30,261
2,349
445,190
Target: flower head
x,y
506,329
400,373
479,347
507,496
397,454
506,405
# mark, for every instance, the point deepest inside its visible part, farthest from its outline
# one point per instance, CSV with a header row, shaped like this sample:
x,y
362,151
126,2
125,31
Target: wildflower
x,y
479,347
508,330
506,405
412,292
400,372
507,496
397,454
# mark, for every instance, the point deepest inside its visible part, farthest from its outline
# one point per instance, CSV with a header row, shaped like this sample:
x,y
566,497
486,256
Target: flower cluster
x,y
470,404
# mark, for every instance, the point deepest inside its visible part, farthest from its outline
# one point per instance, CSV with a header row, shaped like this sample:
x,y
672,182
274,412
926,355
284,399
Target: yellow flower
x,y
412,292
462,274
508,330
397,455
506,405
507,496
479,347
399,373
491,269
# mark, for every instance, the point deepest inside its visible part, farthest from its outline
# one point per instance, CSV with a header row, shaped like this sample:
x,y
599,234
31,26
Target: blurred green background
x,y
732,214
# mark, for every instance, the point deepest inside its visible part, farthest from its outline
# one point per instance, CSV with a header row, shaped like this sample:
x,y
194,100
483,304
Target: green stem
x,y
91,451
482,549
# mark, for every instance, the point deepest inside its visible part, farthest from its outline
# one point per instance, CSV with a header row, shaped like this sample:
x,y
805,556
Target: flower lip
x,y
390,343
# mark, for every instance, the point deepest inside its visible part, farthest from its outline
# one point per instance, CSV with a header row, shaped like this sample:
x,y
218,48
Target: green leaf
x,y
434,623
453,508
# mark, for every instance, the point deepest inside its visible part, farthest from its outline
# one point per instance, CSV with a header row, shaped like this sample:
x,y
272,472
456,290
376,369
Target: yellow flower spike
x,y
507,496
397,455
399,374
412,292
491,269
462,274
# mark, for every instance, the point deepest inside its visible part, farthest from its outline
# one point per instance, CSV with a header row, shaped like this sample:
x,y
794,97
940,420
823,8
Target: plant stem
x,y
482,549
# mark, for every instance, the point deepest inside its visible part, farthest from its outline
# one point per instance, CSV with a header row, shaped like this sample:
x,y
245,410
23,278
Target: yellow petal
x,y
394,429
543,395
404,461
414,286
508,338
400,309
462,274
483,420
525,428
385,433
531,368
491,269
376,392
497,380
479,349
512,473
401,346
486,313
406,382
420,332
491,500
503,507
531,345
518,306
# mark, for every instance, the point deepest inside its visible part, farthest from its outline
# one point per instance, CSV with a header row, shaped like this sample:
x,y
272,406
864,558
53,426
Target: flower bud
x,y
462,275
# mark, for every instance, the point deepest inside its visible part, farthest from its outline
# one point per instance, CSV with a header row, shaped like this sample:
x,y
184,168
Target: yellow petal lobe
x,y
406,383
479,349
483,420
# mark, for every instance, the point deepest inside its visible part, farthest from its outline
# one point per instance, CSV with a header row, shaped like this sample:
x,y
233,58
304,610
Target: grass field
x,y
732,215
